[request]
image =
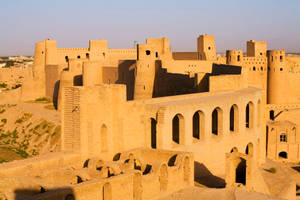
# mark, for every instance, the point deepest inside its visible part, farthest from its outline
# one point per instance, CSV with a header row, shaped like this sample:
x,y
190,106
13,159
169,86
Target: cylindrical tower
x,y
39,59
234,57
277,77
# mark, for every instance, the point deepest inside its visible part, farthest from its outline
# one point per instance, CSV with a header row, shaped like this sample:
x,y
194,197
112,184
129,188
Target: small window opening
x,y
271,114
209,48
254,68
78,57
281,58
261,68
67,58
261,53
281,68
238,58
283,137
156,54
42,52
148,52
87,55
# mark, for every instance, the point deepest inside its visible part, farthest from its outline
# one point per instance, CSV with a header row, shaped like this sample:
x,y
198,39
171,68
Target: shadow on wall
x,y
220,69
168,84
55,94
126,76
43,194
204,177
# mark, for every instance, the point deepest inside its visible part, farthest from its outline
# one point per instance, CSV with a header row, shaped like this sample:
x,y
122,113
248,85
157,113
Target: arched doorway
x,y
178,129
240,172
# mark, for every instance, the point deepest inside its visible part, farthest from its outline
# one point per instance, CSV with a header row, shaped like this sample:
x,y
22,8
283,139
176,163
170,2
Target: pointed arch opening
x,y
178,129
234,117
249,115
249,149
198,125
217,121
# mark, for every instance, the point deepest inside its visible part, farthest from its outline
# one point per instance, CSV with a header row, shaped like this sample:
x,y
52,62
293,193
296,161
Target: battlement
x,y
72,49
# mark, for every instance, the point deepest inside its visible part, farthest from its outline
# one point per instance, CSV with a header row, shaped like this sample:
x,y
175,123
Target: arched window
x,y
153,133
103,135
198,125
234,117
249,115
178,129
249,149
283,137
217,121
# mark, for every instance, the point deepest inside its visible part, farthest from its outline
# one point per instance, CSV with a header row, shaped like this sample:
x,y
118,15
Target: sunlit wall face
x,y
73,22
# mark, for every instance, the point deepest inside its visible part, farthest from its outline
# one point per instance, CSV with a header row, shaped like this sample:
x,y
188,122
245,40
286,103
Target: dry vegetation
x,y
23,135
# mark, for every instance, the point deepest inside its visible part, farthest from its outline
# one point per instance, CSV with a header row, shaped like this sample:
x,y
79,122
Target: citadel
x,y
145,123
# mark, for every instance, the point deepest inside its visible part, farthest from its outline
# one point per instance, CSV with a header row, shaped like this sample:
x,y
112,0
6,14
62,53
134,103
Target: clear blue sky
x,y
73,22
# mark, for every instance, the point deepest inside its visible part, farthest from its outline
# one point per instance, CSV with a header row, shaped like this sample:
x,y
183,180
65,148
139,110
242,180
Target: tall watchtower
x,y
206,47
144,71
256,48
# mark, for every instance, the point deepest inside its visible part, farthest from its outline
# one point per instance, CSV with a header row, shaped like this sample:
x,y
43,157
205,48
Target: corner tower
x,y
277,77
